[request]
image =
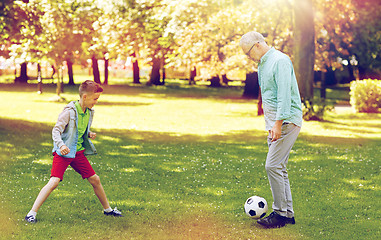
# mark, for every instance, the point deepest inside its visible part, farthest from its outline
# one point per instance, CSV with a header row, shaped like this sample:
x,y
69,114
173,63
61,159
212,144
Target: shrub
x,y
366,95
314,111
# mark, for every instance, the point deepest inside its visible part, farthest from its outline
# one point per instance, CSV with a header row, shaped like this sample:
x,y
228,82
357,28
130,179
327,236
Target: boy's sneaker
x,y
31,219
115,212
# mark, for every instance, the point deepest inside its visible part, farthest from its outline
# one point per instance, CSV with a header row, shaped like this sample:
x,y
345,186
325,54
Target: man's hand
x,y
276,131
64,150
92,135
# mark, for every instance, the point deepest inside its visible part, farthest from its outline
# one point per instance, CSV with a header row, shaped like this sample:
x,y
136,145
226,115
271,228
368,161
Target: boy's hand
x,y
92,135
64,150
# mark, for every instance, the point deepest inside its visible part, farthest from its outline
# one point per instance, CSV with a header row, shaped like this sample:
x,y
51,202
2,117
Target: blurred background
x,y
331,42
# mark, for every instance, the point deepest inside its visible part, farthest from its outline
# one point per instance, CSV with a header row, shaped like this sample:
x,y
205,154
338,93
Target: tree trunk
x,y
135,69
260,108
15,72
351,73
155,73
53,72
362,72
105,82
322,86
59,81
59,87
225,79
23,78
70,71
39,79
304,47
251,89
215,82
95,67
330,77
192,75
163,75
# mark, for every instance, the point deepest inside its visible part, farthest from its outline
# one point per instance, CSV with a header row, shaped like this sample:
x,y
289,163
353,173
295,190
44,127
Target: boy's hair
x,y
89,86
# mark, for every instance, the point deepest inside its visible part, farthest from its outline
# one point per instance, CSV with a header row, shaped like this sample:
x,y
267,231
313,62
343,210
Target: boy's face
x,y
90,99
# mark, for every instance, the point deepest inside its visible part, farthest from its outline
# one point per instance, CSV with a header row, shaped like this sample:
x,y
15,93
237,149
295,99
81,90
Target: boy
x,y
71,143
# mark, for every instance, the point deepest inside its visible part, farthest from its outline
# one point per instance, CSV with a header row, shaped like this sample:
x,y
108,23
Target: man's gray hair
x,y
249,39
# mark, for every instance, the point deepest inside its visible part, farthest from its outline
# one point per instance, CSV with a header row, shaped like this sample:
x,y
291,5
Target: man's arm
x,y
283,77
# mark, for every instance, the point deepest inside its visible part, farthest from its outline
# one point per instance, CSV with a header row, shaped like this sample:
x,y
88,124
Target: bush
x,y
366,95
314,111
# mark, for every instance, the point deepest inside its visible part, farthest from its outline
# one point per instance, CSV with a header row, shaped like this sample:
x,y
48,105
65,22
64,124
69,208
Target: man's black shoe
x,y
290,220
274,220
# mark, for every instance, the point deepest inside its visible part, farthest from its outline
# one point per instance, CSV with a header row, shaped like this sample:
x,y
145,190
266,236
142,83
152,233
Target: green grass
x,y
180,162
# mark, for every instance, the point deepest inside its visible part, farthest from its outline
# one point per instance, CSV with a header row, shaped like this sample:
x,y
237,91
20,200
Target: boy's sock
x,y
32,213
108,209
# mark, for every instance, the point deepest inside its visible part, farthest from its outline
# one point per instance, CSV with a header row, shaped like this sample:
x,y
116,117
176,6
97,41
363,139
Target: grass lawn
x,y
179,161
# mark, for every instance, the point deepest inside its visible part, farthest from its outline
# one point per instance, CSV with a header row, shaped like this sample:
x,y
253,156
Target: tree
x,y
67,26
304,50
102,41
210,39
130,20
366,44
20,28
347,34
140,33
157,40
334,36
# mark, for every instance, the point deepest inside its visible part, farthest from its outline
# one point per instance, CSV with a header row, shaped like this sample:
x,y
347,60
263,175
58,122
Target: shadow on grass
x,y
332,183
100,103
130,104
168,91
179,186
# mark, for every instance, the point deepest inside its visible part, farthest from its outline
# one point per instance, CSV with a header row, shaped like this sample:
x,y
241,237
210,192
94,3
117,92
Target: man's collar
x,y
267,55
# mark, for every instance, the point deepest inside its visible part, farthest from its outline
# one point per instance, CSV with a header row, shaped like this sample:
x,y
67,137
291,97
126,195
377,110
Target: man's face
x,y
90,99
253,53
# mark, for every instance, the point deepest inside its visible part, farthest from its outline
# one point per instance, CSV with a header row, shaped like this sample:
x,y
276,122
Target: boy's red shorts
x,y
80,164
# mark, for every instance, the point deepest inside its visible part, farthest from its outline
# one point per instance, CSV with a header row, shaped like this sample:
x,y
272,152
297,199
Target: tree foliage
x,y
201,33
348,32
366,43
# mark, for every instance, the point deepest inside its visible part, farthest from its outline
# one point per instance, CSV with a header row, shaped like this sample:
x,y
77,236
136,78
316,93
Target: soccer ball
x,y
256,207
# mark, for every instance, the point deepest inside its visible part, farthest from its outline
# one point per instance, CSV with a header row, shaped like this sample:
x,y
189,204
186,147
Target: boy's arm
x,y
63,120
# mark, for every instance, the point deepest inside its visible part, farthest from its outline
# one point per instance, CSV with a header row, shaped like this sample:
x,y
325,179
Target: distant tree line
x,y
319,35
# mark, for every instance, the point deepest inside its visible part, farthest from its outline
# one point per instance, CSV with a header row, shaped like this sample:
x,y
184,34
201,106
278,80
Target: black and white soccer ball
x,y
256,207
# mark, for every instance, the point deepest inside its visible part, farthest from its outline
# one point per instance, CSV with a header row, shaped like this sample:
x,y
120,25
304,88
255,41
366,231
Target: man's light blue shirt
x,y
279,89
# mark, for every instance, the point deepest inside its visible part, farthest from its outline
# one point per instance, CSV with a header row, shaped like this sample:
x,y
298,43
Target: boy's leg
x,y
45,192
99,191
59,167
42,196
83,167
